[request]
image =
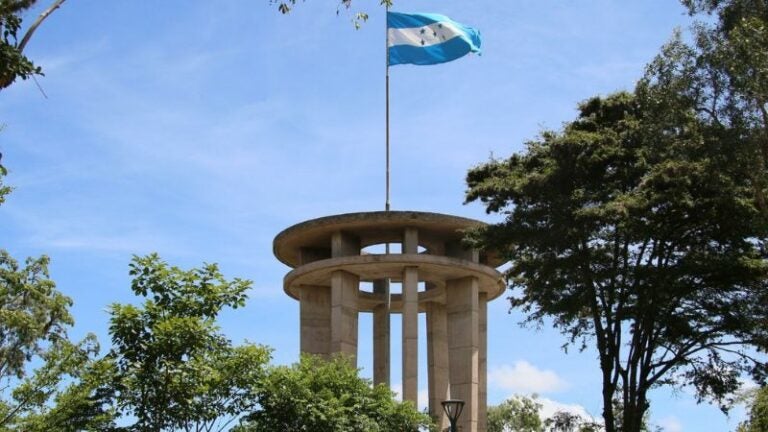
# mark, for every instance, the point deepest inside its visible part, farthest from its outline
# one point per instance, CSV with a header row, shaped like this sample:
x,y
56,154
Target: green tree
x,y
516,414
723,72
523,414
328,396
563,421
635,231
32,313
70,392
174,369
13,63
758,413
34,318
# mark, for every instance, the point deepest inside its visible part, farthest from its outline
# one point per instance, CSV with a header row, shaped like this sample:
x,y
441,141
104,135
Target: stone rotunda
x,y
335,278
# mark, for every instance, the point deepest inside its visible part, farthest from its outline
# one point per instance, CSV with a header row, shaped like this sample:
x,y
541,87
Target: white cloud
x,y
671,424
523,377
550,407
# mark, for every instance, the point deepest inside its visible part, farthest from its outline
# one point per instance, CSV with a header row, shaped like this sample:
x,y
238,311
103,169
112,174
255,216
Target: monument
x,y
438,277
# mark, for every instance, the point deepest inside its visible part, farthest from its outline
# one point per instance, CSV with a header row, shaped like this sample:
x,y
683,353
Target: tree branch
x,y
28,35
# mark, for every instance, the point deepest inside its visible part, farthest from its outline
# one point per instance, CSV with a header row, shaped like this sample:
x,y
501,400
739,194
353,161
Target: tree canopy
x,y
518,413
758,413
174,370
523,414
37,359
640,228
723,74
635,228
328,396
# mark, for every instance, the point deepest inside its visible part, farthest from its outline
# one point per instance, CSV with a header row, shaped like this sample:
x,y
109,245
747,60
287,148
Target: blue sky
x,y
201,129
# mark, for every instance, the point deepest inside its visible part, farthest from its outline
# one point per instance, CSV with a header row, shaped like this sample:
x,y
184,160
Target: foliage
x,y
723,73
636,228
13,63
33,321
68,393
563,421
328,396
523,414
285,6
34,317
4,190
758,413
174,369
32,313
518,414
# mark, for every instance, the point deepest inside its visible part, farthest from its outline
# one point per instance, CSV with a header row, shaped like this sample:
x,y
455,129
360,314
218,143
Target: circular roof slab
x,y
435,229
433,269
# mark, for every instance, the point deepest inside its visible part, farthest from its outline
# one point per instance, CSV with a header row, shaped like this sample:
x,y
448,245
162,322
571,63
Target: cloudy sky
x,y
201,129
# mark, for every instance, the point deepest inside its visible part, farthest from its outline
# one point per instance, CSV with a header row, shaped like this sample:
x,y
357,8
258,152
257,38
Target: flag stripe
x,y
428,35
401,20
426,55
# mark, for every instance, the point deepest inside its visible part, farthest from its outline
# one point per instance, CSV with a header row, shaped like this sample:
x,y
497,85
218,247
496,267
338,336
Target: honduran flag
x,y
425,39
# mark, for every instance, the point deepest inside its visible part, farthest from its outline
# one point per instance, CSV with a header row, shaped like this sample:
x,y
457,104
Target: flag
x,y
425,39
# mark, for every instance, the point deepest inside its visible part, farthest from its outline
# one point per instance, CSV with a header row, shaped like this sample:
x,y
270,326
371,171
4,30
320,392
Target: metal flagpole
x,y
386,203
386,44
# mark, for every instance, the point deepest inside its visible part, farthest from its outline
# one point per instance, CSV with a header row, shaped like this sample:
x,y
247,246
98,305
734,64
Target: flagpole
x,y
386,202
386,46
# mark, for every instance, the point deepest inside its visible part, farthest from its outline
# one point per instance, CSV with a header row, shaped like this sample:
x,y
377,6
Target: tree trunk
x,y
609,389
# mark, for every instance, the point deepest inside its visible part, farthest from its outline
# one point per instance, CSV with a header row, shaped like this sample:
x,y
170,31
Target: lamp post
x,y
452,408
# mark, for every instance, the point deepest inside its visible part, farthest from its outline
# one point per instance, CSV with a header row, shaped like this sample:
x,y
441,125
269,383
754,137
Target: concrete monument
x,y
329,263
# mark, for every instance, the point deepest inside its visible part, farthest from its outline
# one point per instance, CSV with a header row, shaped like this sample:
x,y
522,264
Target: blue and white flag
x,y
425,39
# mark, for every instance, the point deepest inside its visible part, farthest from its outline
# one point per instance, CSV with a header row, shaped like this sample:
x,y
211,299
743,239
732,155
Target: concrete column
x,y
437,361
381,331
411,320
344,287
463,347
344,311
411,241
482,405
315,320
411,334
344,244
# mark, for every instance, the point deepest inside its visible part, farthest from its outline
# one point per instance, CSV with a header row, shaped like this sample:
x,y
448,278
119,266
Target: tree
x,y
758,413
13,63
328,396
34,318
33,313
516,414
174,370
523,414
33,321
724,74
564,421
68,393
635,229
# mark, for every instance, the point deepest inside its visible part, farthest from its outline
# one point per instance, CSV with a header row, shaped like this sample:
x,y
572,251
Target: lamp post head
x,y
453,408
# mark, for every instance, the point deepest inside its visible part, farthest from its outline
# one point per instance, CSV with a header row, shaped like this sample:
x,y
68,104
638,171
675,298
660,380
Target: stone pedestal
x,y
329,261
